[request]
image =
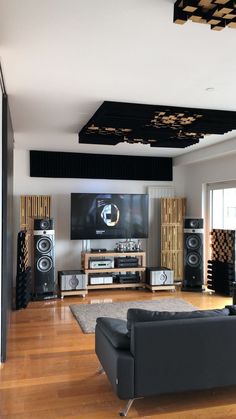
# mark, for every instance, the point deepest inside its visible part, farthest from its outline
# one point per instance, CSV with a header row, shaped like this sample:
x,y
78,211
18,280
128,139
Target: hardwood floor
x,y
51,368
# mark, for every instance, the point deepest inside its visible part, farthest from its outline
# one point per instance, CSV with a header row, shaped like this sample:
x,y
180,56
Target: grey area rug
x,y
86,314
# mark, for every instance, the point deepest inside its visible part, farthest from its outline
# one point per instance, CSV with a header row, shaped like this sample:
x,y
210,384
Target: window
x,y
223,207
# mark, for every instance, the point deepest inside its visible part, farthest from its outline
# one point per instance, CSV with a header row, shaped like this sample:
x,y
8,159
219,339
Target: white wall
x,y
67,251
193,176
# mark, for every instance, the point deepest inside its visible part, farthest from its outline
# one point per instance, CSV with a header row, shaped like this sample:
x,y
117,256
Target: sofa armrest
x,y
118,365
115,330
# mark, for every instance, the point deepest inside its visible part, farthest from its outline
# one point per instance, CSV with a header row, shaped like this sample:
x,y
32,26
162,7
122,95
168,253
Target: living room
x,y
59,65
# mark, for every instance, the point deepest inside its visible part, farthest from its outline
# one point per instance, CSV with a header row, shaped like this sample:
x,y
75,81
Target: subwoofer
x,y
44,258
193,254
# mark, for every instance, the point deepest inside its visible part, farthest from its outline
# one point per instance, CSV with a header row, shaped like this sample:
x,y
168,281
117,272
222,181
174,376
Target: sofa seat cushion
x,y
115,330
135,315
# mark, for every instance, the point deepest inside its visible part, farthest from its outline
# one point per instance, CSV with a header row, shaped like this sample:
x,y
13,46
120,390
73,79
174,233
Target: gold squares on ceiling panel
x,y
189,6
230,15
222,1
226,10
205,3
217,13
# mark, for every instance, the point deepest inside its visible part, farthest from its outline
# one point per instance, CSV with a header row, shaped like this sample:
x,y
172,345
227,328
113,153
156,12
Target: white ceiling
x,y
62,58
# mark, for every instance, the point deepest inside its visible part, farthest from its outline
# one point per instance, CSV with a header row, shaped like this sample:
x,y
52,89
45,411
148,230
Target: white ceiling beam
x,y
206,153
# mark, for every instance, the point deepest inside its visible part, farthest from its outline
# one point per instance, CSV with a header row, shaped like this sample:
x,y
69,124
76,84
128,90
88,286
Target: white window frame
x,y
207,209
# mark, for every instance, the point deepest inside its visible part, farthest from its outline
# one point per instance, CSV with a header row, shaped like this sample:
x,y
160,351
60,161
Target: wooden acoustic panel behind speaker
x,y
172,247
33,206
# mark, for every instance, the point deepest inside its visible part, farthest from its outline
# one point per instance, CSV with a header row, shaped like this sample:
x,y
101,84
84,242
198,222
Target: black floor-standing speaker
x,y
193,255
44,259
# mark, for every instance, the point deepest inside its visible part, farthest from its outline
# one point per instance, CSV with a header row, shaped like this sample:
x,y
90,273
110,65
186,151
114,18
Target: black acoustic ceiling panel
x,y
219,14
158,126
102,166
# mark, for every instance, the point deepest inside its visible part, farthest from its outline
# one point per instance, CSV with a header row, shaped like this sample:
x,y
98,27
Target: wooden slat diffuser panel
x,y
172,237
172,246
33,206
172,210
173,260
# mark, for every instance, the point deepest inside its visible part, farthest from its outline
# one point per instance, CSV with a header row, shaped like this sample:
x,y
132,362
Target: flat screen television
x,y
109,216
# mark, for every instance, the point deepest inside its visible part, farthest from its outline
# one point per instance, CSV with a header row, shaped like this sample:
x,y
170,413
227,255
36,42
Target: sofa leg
x,y
125,411
100,370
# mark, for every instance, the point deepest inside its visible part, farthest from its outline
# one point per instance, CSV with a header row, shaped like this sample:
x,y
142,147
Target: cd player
x,y
101,263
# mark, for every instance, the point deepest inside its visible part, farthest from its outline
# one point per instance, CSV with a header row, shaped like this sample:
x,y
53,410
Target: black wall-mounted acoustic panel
x,y
99,166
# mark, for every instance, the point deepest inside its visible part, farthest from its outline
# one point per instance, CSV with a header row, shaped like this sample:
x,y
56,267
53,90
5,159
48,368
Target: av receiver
x,y
101,263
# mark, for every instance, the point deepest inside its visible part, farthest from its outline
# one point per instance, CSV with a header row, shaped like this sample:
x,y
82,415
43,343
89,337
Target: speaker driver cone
x,y
44,245
194,223
193,242
193,259
44,224
44,264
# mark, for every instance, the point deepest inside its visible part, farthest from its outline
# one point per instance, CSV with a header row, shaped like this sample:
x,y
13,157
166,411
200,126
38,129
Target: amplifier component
x,y
72,280
159,276
127,278
100,279
101,263
126,262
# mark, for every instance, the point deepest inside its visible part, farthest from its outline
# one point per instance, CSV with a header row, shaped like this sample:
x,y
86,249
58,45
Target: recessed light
x,y
210,89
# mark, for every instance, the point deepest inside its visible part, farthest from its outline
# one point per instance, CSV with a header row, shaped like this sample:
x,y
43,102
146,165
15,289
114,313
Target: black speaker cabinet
x,y
193,254
43,224
44,259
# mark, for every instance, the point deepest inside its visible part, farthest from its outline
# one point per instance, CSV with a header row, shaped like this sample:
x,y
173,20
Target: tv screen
x,y
109,216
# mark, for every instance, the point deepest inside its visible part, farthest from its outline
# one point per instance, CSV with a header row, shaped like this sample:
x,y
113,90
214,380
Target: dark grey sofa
x,y
168,356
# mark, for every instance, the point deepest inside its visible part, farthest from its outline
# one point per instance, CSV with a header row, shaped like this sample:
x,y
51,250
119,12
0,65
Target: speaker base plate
x,y
46,296
192,289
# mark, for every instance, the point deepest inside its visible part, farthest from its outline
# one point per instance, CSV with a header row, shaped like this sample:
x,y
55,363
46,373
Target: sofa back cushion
x,y
136,315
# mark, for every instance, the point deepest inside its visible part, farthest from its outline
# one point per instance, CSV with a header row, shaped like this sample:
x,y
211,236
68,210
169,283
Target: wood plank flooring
x,y
51,370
